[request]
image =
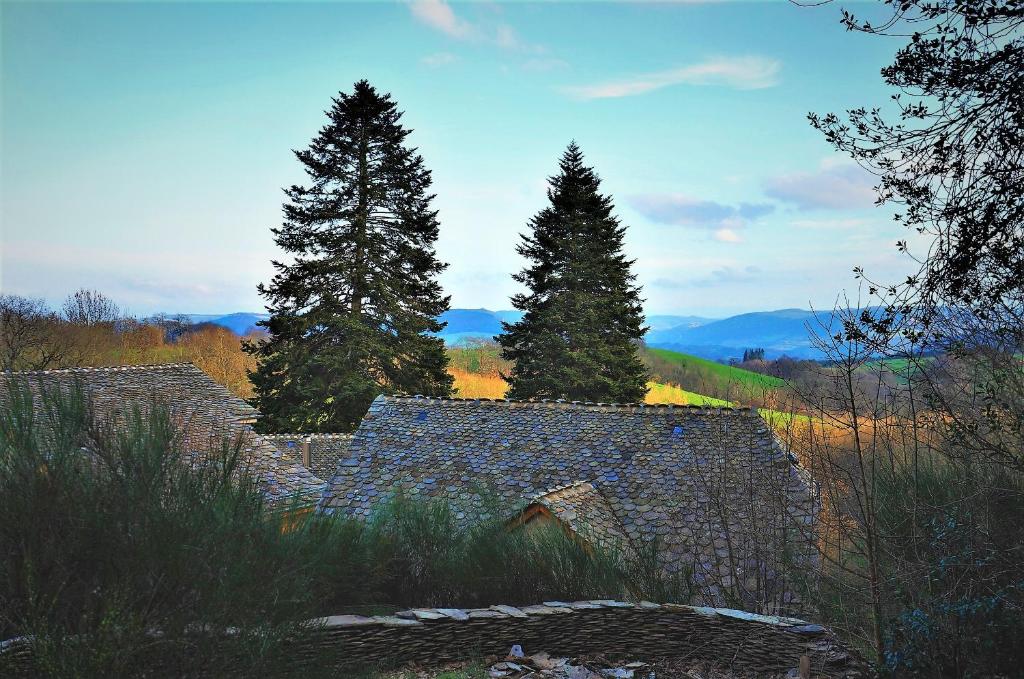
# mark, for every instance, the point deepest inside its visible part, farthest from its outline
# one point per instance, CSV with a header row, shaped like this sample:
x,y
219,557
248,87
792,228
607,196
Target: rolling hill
x,y
777,332
701,375
780,332
239,322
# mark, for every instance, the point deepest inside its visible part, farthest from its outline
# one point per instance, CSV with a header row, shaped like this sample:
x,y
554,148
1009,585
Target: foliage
x,y
582,316
90,307
928,507
478,385
753,355
122,558
480,357
350,316
952,158
427,553
109,535
32,337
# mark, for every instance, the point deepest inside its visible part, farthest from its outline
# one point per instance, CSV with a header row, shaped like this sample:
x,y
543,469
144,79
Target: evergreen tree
x,y
582,316
350,316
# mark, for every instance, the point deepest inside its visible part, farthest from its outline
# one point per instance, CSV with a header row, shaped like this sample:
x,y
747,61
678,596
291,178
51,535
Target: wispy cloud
x,y
439,59
439,15
743,73
830,224
676,209
832,187
727,235
722,276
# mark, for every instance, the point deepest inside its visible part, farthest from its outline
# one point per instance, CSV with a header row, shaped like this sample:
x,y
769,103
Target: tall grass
x,y
117,556
120,558
478,385
419,553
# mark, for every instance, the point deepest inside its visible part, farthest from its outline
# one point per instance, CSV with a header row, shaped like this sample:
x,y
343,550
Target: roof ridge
x,y
559,488
105,368
562,403
322,435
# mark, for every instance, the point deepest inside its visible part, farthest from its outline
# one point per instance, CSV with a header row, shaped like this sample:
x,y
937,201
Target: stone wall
x,y
326,450
734,640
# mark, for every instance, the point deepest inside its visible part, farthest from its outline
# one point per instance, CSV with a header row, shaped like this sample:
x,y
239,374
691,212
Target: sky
x,y
144,146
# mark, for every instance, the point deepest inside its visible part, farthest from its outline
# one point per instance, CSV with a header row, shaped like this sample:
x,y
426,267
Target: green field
x,y
710,372
901,368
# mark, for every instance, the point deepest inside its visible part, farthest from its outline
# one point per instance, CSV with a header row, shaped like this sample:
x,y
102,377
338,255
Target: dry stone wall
x,y
742,642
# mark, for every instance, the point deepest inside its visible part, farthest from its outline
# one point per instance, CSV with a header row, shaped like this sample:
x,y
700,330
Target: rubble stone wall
x,y
734,640
731,640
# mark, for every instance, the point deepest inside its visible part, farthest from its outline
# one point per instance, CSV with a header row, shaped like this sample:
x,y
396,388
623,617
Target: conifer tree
x,y
350,315
582,316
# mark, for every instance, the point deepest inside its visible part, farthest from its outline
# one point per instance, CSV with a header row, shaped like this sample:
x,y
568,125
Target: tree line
x,y
90,329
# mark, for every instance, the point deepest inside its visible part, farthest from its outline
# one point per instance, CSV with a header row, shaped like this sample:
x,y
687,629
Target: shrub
x,y
123,553
117,555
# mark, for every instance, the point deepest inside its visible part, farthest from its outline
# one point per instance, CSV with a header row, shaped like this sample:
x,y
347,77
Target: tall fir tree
x,y
583,316
350,315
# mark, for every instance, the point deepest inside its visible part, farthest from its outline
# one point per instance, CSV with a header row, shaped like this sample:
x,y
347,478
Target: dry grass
x,y
478,385
481,385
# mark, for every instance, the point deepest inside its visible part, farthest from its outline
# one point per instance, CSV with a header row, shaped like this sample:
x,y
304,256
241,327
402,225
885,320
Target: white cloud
x,y
725,219
742,73
439,59
439,14
727,236
834,186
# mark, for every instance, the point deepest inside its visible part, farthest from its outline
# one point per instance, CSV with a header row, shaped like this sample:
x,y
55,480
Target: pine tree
x,y
583,318
350,316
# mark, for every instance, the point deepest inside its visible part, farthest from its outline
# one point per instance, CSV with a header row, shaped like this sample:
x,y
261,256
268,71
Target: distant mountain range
x,y
239,322
782,332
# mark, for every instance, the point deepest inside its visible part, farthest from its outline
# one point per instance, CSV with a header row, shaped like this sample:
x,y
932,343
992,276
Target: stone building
x,y
320,453
205,410
711,488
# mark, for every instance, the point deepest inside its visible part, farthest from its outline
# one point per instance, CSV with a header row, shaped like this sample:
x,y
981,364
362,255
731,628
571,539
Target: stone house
x,y
205,410
711,488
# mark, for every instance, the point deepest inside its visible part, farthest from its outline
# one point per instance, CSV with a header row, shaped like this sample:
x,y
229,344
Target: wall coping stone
x,y
731,639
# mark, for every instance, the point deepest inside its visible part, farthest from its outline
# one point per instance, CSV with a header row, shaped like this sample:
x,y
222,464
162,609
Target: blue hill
x,y
239,322
778,332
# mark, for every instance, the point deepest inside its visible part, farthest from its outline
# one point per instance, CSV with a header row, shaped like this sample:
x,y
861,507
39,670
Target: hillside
x,y
708,377
778,332
240,322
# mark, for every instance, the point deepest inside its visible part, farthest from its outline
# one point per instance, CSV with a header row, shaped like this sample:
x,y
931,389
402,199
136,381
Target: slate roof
x,y
699,480
325,450
583,509
205,409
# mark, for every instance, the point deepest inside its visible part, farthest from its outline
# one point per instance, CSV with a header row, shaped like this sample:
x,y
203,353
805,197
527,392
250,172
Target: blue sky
x,y
144,146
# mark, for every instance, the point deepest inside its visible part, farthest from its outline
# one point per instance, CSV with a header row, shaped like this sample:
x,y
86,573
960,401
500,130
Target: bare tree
x,y
30,337
90,307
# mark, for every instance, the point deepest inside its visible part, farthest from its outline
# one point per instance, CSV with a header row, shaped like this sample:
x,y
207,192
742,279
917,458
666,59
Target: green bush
x,y
120,558
951,565
116,555
957,561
